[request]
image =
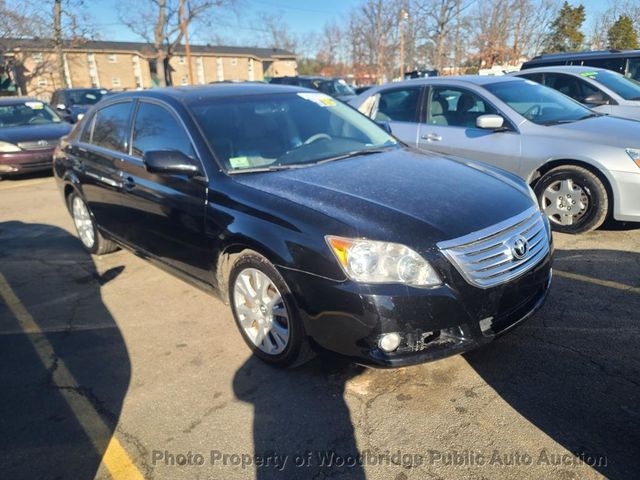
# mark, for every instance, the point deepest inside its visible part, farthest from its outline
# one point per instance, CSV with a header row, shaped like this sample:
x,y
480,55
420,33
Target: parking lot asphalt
x,y
113,368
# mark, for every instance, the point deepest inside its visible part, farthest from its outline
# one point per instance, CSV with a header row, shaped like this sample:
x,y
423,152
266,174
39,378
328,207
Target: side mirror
x,y
596,99
62,107
169,162
385,126
490,122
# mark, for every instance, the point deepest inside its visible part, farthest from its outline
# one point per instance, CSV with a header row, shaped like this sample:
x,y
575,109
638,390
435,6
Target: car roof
x,y
575,69
18,100
190,94
584,54
457,79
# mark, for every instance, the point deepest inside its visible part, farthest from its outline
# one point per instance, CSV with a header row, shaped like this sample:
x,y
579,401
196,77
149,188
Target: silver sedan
x,y
582,165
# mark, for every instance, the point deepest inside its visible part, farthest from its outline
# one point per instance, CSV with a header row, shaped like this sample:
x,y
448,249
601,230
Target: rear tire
x,y
86,227
573,198
265,312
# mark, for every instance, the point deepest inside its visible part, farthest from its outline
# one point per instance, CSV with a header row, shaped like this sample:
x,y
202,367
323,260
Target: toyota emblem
x,y
519,247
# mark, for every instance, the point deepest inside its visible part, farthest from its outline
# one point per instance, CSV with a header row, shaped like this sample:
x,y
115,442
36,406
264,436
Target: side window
x,y
110,127
534,77
156,128
569,85
398,105
615,64
88,129
456,107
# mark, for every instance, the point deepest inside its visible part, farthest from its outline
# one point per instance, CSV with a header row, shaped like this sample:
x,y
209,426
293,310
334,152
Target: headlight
x,y
634,154
369,261
6,147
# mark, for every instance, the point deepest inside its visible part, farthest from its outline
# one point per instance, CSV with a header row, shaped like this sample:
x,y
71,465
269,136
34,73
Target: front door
x,y
449,127
164,212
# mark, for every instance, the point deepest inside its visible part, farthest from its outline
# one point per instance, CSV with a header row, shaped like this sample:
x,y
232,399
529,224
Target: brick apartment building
x,y
31,65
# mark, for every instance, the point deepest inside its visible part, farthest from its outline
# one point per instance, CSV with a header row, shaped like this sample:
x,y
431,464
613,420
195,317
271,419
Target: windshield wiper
x,y
271,168
353,153
571,120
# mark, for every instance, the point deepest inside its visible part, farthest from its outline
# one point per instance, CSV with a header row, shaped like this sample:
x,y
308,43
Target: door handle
x,y
431,137
129,183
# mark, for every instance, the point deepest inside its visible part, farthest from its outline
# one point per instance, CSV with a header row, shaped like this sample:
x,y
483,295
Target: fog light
x,y
389,342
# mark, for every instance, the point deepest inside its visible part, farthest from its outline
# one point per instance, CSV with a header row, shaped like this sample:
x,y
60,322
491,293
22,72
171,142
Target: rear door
x,y
164,212
449,127
400,107
97,158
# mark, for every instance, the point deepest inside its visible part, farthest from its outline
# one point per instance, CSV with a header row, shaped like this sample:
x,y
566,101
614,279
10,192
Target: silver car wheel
x,y
83,222
261,311
564,202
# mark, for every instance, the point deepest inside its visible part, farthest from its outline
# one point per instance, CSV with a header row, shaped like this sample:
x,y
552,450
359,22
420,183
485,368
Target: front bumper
x,y
348,318
26,161
626,204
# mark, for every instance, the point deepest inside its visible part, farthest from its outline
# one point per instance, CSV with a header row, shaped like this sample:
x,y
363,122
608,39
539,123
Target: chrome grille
x,y
489,257
38,144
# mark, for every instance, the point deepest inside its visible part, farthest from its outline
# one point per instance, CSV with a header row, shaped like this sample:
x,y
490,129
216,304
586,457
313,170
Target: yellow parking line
x,y
115,457
597,281
24,183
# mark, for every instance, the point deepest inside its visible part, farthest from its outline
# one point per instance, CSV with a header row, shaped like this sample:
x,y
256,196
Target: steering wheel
x,y
533,111
316,137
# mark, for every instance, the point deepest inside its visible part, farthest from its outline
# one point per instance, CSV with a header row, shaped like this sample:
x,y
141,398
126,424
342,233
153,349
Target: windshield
x,y
27,113
625,87
336,87
85,97
539,104
286,130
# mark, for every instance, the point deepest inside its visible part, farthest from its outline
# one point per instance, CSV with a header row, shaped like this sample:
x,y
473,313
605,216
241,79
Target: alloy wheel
x,y
261,311
565,202
83,222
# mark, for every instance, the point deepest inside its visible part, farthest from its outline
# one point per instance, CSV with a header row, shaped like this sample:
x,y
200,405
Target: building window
x,y
250,69
184,80
181,60
42,82
200,70
115,82
112,58
37,57
234,61
94,81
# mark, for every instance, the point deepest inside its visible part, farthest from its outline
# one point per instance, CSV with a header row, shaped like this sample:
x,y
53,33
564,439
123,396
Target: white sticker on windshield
x,y
318,98
35,105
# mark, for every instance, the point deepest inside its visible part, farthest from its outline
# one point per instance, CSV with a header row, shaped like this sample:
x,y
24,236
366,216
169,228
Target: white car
x,y
601,90
583,166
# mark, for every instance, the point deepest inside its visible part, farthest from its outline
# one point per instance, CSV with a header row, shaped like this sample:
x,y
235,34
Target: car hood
x,y
28,133
399,193
605,130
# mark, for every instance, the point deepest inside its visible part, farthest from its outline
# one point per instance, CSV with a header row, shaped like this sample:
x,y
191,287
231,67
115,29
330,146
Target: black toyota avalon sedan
x,y
319,229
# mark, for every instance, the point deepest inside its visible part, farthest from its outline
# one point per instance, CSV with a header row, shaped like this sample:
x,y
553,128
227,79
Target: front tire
x,y
265,313
86,227
573,198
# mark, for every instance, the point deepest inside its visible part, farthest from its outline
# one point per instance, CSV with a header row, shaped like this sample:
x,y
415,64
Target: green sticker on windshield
x,y
239,162
589,74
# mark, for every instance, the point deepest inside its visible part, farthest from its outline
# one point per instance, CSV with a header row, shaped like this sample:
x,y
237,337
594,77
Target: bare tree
x,y
274,32
158,23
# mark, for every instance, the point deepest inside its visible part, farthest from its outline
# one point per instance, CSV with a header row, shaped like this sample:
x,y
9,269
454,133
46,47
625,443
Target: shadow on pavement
x,y
42,435
300,411
573,370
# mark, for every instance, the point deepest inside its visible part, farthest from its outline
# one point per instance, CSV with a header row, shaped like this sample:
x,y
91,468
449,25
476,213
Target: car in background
x,y
336,87
317,227
601,90
73,103
29,132
420,74
625,62
583,166
362,88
